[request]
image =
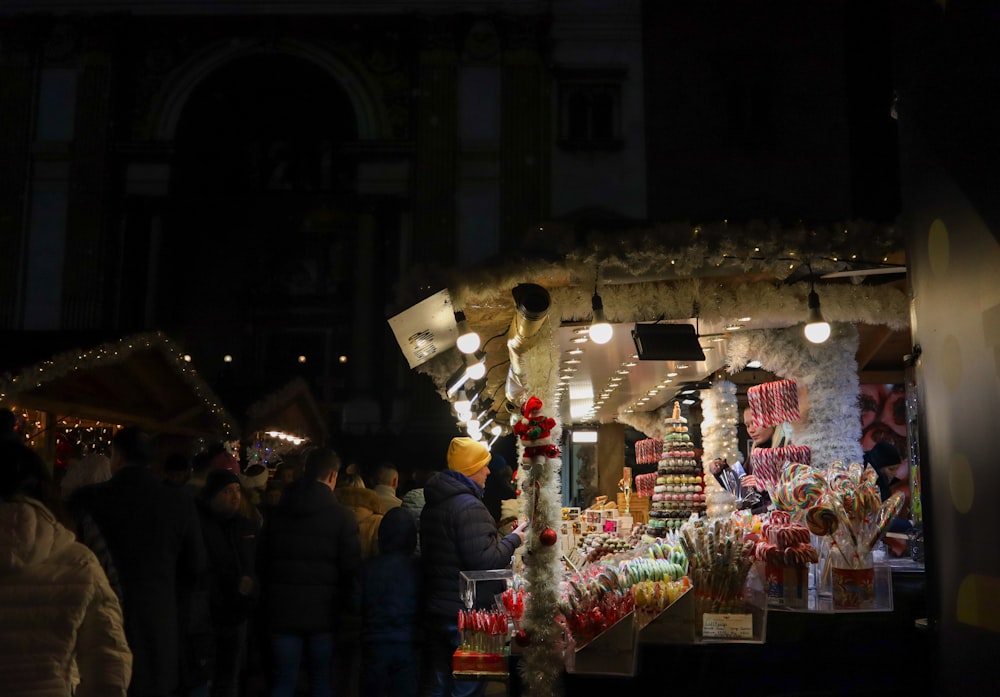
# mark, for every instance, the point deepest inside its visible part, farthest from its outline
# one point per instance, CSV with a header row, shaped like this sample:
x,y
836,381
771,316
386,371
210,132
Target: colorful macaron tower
x,y
680,484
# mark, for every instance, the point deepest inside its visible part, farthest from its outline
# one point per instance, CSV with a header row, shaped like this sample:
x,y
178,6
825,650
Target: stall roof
x,y
140,380
291,409
721,277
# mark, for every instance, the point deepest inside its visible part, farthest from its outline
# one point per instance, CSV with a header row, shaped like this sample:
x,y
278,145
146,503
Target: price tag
x,y
727,626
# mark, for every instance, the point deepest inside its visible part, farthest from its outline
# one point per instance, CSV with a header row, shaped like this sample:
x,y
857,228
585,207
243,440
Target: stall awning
x,y
140,380
292,410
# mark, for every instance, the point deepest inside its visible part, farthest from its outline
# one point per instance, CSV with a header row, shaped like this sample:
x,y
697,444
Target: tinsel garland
x,y
828,371
539,477
677,250
648,422
718,427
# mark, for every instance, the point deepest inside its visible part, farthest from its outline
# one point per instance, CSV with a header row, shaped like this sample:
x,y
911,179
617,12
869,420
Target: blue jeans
x,y
440,644
287,649
390,668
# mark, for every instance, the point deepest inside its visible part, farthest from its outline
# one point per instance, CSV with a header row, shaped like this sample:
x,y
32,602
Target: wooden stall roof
x,y
291,409
140,380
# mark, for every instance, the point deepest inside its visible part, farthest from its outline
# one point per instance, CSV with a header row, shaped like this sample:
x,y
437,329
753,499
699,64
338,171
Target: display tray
x,y
612,652
749,626
821,598
469,665
674,625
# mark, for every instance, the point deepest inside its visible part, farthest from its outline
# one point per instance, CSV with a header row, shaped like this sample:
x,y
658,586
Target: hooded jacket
x,y
60,622
310,560
457,533
390,592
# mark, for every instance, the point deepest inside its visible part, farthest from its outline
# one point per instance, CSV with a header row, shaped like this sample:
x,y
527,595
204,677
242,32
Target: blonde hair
x,y
351,478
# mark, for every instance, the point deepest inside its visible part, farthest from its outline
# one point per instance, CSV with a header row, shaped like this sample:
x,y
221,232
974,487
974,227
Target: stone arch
x,y
364,94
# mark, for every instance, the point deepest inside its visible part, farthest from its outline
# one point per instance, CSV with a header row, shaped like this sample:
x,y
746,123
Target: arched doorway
x,y
261,194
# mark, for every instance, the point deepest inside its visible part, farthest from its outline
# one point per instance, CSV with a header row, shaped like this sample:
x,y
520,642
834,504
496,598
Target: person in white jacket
x,y
61,631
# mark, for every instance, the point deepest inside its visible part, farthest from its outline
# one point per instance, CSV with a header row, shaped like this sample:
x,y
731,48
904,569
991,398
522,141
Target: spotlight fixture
x,y
600,330
468,340
475,365
817,329
463,405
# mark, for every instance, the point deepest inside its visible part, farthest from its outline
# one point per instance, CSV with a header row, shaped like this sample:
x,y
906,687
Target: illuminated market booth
x,y
70,404
648,330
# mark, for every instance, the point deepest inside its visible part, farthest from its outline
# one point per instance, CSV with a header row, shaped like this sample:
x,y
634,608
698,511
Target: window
x,y
590,112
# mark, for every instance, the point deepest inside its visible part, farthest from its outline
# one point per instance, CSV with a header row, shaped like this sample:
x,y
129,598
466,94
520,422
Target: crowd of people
x,y
161,575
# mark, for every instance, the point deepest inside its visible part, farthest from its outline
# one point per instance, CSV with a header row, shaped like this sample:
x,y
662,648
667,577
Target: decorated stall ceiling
x,y
141,380
723,279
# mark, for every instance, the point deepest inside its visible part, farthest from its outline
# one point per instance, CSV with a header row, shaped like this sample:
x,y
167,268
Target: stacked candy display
x,y
784,548
648,451
594,546
650,598
591,602
680,486
645,484
718,564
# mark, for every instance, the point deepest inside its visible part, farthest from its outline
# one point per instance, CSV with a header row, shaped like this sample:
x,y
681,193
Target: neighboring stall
x,y
285,420
75,400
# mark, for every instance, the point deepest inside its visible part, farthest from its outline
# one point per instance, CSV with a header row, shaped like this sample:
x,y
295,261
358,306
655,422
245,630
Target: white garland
x,y
831,427
649,423
540,480
718,427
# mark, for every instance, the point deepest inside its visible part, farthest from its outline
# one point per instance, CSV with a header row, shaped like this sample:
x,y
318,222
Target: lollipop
x,y
821,520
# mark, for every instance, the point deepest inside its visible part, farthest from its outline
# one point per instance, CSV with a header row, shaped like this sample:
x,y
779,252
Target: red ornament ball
x,y
547,537
522,638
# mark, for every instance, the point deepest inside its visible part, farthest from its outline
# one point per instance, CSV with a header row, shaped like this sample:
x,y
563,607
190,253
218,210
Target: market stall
x,y
548,362
80,397
287,419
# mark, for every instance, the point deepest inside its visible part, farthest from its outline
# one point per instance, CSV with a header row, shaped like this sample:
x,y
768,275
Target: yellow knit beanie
x,y
467,456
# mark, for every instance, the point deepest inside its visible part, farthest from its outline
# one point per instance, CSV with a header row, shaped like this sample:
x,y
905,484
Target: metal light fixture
x,y
817,329
468,341
600,330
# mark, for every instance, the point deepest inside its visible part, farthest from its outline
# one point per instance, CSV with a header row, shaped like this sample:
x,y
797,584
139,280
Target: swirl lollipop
x,y
822,520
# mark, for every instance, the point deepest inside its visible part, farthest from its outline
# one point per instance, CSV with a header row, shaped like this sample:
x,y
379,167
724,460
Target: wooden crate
x,y
638,507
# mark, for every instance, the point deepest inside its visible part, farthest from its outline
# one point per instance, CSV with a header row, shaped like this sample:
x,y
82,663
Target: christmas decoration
x,y
537,441
547,537
831,428
718,427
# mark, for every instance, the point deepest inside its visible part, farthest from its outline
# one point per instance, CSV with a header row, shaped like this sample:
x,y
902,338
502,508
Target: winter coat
x,y
231,546
457,533
153,534
390,590
60,622
367,508
309,560
413,501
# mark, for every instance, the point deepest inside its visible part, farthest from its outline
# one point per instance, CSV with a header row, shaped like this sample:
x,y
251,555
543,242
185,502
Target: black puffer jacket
x,y
309,558
457,533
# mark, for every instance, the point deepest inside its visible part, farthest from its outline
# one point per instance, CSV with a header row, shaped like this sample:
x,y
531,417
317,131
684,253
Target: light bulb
x,y
817,329
817,332
600,331
475,365
463,405
473,429
468,340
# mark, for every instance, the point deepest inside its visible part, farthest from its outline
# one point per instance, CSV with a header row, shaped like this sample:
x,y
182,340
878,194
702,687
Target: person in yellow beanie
x,y
457,533
468,456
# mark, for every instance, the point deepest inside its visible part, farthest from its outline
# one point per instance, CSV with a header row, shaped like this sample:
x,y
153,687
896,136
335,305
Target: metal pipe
x,y
531,310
